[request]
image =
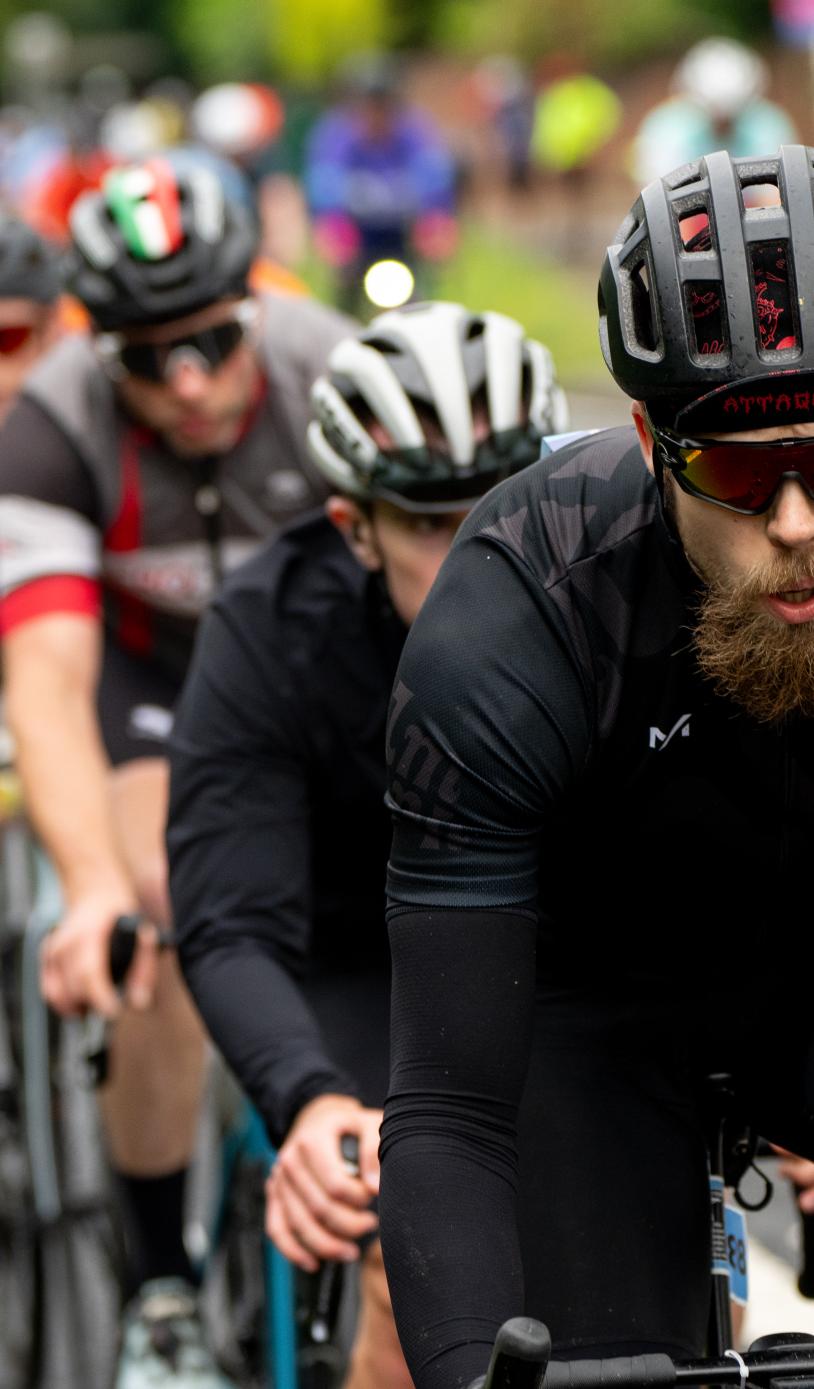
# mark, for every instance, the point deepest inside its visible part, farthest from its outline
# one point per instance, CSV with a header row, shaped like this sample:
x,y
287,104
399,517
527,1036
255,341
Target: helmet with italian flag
x,y
157,243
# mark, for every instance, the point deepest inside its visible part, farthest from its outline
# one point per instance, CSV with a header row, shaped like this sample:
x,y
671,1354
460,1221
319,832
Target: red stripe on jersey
x,y
132,626
58,593
165,195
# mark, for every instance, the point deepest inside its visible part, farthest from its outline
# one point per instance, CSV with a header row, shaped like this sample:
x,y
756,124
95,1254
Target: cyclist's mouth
x,y
793,604
194,425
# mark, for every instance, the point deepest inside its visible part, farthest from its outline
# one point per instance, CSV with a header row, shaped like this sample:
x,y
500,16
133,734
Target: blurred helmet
x,y
235,184
131,130
721,75
29,266
458,400
157,243
237,119
371,77
713,324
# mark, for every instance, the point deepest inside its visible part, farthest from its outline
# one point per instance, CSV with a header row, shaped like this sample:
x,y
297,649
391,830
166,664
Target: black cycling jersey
x,y
278,832
595,879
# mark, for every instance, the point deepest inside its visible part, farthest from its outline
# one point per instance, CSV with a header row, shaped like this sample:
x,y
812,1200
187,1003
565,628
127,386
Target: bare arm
x,y
51,668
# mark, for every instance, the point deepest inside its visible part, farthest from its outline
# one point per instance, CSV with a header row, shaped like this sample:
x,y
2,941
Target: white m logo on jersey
x,y
660,740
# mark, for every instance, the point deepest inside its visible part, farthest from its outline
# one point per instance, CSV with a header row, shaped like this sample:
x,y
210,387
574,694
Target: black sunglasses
x,y
208,349
740,477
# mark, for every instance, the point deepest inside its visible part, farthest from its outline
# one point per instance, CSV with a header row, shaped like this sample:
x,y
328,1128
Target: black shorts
x,y
135,703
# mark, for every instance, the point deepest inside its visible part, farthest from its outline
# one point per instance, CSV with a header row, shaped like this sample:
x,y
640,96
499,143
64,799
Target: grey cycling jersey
x,y
89,498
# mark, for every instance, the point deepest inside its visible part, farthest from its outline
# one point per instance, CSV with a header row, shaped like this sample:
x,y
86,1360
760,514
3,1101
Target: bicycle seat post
x,y
718,1108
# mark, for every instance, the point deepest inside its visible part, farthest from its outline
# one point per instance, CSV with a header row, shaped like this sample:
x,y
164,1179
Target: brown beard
x,y
766,665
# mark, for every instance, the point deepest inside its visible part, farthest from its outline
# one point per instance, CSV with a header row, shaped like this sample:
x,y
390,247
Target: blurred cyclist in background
x,y
278,832
30,320
719,104
576,115
379,179
139,464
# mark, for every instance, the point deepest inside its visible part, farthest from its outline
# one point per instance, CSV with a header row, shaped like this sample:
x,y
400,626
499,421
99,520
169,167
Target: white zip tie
x,y
735,1355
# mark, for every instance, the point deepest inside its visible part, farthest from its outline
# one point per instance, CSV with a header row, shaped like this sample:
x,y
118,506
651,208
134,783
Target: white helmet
x,y
722,75
459,401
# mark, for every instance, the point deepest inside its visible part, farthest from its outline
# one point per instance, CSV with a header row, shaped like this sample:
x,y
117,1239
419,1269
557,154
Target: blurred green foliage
x,y
215,46
304,40
592,30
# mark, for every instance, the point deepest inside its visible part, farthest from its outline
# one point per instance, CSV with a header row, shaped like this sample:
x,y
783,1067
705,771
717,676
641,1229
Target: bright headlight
x,y
389,284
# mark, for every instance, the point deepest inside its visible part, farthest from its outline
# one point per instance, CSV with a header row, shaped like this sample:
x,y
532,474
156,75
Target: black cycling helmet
x,y
29,266
157,243
706,299
423,374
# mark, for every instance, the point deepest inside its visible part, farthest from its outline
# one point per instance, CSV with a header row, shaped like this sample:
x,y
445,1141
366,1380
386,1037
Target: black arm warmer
x,y
463,1002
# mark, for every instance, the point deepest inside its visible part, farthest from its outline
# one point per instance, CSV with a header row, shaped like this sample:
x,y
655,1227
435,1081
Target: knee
x,y
374,1282
378,1357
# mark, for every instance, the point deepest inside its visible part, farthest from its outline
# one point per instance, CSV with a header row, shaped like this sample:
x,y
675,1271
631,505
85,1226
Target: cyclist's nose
x,y
189,381
790,523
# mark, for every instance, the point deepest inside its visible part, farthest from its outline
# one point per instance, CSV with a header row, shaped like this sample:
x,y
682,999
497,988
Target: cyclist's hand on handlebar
x,y
315,1208
801,1172
75,959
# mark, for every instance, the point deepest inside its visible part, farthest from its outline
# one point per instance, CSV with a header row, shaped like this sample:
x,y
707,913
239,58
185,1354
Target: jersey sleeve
x,y
239,838
490,724
50,545
462,1010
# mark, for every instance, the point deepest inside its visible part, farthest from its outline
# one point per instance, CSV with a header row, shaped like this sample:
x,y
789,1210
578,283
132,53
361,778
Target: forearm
x,y
259,1019
64,771
462,1007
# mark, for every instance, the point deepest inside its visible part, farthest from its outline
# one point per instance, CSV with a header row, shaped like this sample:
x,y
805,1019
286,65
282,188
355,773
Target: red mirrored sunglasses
x,y
740,477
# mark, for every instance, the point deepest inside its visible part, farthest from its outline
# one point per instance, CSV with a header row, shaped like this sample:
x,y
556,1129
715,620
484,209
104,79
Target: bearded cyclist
x,y
601,754
278,831
138,465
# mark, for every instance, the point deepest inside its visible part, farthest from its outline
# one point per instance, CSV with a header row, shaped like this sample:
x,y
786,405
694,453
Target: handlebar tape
x,y
521,1360
643,1371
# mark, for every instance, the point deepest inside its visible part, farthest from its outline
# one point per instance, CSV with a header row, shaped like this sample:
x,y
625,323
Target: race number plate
x,y
737,1254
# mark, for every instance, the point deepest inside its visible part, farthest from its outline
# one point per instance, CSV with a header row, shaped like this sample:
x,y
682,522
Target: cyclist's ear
x,y
643,431
354,524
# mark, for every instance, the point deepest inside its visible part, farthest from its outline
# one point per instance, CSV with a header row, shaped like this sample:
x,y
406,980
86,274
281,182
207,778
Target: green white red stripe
x,y
144,201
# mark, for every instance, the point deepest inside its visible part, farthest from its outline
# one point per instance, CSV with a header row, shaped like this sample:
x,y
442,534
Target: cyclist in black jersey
x,y
601,760
278,833
141,461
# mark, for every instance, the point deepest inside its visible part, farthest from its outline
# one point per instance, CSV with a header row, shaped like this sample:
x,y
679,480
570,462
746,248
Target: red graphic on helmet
x,y
768,315
702,305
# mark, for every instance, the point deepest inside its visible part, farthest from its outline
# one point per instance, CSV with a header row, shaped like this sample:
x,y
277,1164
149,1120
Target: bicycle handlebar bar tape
x,y
643,1371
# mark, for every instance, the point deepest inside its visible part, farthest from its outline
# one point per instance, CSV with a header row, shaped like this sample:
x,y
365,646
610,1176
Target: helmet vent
x,y
707,322
757,196
641,300
775,301
694,230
